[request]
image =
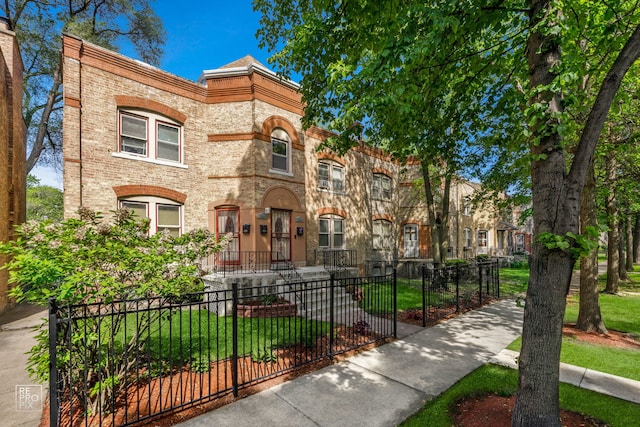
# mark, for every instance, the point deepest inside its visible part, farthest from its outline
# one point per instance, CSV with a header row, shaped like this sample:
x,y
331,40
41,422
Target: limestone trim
x,y
281,197
269,177
273,122
126,101
333,211
330,156
383,171
224,137
149,190
72,101
385,217
221,203
120,65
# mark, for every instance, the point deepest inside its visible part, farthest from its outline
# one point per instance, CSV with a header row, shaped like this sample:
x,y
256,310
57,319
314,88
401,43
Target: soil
x,y
495,411
473,411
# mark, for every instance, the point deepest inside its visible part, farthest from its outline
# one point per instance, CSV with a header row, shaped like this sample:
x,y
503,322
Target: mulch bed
x,y
212,389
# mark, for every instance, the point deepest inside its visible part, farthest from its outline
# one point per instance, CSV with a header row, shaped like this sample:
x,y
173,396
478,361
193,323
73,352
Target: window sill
x,y
325,190
149,160
280,172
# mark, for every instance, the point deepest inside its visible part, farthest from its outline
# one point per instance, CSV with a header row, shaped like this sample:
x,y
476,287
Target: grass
x,y
184,336
620,313
504,381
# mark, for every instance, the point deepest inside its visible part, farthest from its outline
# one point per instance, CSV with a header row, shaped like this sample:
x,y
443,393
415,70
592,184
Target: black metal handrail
x,y
337,259
227,263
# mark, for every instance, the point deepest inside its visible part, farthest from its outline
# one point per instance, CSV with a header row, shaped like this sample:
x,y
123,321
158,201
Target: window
x,y
467,238
150,136
466,206
382,238
163,214
381,187
280,150
482,242
331,232
330,176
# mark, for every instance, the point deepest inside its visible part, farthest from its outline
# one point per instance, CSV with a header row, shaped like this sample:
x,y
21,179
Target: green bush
x,y
87,260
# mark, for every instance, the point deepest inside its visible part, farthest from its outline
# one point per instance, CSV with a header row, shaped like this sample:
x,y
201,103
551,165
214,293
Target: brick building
x,y
12,146
229,153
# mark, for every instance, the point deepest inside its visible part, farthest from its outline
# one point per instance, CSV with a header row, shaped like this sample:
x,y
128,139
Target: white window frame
x,y
153,204
466,206
378,190
483,242
331,233
280,136
382,234
152,152
468,238
328,183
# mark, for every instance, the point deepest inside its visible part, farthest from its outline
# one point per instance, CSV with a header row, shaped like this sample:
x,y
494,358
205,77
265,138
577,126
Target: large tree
x,y
507,75
38,25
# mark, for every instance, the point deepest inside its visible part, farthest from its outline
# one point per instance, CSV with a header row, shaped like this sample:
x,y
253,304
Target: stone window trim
x,y
273,122
333,211
137,103
126,191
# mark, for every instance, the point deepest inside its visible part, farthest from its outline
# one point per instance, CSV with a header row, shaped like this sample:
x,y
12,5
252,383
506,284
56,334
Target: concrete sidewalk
x,y
386,385
379,387
16,338
383,386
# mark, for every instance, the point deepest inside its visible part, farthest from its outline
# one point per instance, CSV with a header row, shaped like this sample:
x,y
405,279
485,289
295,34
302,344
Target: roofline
x,y
245,71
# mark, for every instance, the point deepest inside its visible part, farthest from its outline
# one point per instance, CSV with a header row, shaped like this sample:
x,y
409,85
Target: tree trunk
x,y
434,218
613,244
556,212
629,241
589,315
636,238
622,258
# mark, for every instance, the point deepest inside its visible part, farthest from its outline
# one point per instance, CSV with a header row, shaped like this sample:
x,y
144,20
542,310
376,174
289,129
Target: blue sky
x,y
200,35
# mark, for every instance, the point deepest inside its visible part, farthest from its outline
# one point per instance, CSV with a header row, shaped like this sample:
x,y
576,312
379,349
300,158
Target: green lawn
x,y
504,381
620,313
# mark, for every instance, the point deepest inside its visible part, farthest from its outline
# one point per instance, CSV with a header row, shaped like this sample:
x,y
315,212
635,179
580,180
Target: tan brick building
x,y
12,146
227,152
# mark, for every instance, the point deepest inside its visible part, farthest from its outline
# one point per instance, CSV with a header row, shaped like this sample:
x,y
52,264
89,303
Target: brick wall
x,y
12,147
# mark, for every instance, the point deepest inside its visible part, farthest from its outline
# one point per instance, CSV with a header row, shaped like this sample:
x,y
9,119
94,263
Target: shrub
x,y
87,260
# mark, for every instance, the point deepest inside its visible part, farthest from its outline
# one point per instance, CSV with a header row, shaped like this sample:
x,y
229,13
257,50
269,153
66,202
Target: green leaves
x,y
578,245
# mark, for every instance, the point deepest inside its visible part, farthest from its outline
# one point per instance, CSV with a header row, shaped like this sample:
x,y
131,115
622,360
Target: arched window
x,y
280,150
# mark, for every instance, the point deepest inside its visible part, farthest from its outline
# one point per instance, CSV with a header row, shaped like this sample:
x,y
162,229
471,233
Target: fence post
x,y
497,279
457,288
395,303
423,271
234,354
332,283
54,401
480,281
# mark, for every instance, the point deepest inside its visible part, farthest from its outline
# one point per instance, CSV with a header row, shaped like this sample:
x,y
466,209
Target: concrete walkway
x,y
379,387
20,397
386,385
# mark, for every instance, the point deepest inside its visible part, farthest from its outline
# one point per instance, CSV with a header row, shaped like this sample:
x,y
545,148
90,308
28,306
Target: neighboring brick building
x,y
228,152
12,146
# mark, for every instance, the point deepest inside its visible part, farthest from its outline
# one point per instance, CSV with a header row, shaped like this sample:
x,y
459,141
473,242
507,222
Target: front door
x,y
280,235
411,241
228,225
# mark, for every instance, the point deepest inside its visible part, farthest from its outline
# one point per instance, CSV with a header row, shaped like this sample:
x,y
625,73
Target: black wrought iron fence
x,y
126,362
450,289
336,259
